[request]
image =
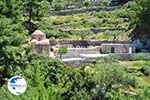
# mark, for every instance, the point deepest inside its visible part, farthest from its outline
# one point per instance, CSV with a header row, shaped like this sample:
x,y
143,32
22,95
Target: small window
x,y
39,38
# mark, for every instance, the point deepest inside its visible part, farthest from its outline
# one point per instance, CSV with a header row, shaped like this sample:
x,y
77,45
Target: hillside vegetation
x,y
101,25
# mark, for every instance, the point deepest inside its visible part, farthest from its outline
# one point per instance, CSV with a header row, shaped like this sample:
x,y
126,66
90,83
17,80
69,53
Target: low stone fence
x,y
122,57
75,61
75,52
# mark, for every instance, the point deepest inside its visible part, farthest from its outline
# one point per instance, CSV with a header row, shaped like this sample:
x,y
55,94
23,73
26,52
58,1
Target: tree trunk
x,y
61,57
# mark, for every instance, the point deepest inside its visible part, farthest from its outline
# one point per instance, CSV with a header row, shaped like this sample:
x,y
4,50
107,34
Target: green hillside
x,y
99,25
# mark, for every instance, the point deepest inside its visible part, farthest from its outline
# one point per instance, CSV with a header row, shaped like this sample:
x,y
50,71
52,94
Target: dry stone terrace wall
x,y
78,4
83,10
81,3
83,43
95,30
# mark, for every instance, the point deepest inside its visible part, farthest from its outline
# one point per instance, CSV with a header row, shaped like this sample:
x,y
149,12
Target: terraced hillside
x,y
101,24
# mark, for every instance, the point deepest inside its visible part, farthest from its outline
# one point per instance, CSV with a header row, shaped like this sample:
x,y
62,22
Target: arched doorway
x,y
125,50
112,50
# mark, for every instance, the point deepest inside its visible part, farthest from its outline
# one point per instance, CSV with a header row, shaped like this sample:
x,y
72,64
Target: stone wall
x,y
95,30
83,10
42,49
85,60
83,43
76,62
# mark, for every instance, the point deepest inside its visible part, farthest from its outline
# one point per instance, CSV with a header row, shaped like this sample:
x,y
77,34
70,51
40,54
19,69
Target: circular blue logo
x,y
17,85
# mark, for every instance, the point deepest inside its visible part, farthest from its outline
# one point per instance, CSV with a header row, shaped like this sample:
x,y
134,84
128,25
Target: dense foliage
x,y
11,48
140,18
51,79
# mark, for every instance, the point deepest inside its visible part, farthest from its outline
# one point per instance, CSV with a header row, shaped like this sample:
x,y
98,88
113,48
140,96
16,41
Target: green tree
x,y
139,17
12,9
12,37
105,2
58,4
86,3
36,9
62,50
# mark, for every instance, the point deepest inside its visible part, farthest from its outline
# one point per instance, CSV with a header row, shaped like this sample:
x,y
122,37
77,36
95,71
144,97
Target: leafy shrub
x,y
113,76
1,68
58,4
121,13
101,14
140,56
121,96
58,22
112,34
56,33
86,3
129,79
144,95
105,2
146,70
108,59
115,21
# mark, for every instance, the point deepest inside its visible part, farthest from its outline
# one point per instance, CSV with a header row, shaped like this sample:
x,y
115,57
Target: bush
x,y
129,79
121,96
140,56
144,95
58,21
105,2
115,21
108,59
56,33
86,3
58,4
112,76
146,70
101,14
